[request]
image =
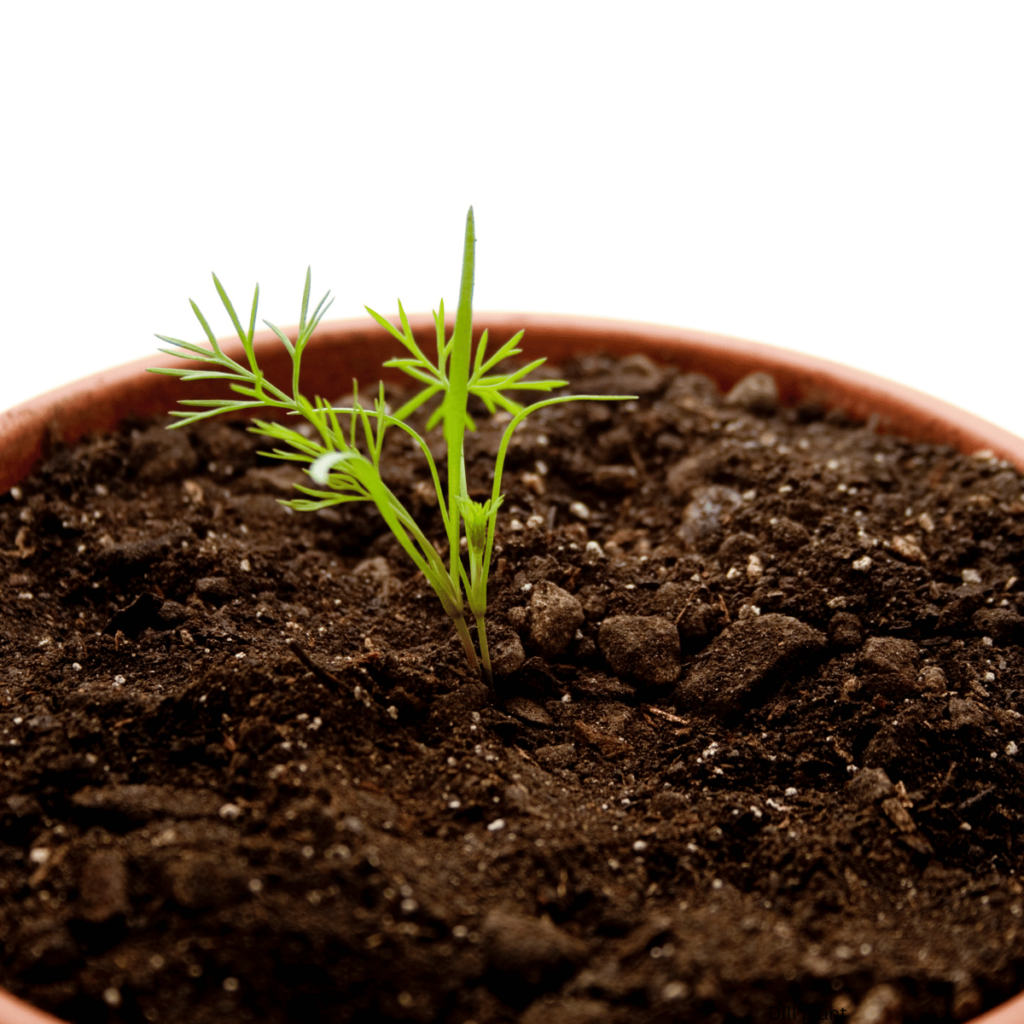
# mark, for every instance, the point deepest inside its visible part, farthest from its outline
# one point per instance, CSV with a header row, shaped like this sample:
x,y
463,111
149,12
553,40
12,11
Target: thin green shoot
x,y
343,455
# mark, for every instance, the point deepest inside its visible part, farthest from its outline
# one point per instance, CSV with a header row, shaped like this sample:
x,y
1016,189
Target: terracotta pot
x,y
355,348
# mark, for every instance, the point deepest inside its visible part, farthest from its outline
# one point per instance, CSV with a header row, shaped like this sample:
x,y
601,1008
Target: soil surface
x,y
755,752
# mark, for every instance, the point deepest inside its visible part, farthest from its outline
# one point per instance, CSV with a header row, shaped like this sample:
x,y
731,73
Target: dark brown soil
x,y
756,747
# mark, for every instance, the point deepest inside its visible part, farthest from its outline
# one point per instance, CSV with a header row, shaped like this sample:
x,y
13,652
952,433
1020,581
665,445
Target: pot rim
x,y
102,400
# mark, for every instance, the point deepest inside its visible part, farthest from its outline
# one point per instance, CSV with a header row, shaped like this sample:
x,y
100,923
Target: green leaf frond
x,y
507,350
442,348
489,387
305,299
307,327
320,470
277,453
404,335
227,304
339,495
304,449
198,351
282,337
342,467
216,408
305,505
206,329
475,518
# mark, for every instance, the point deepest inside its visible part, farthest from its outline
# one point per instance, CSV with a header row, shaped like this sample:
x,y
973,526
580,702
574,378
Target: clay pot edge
x,y
102,400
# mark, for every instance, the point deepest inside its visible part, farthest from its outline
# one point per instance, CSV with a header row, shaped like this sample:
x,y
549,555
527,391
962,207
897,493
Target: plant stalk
x,y
467,642
458,394
485,654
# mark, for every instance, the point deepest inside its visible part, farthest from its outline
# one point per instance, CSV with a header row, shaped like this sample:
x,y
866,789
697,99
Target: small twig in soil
x,y
667,715
317,670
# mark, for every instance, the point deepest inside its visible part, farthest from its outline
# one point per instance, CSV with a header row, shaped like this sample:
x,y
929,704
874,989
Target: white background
x,y
844,179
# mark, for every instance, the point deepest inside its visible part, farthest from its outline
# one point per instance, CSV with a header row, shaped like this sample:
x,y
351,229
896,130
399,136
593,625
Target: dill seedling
x,y
342,457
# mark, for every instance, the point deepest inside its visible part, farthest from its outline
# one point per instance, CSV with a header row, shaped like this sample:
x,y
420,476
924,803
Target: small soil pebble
x,y
706,514
216,589
534,951
757,392
932,680
908,548
641,647
103,886
617,479
966,714
170,614
738,547
529,710
610,746
787,534
1002,624
555,615
888,666
697,622
868,786
845,630
689,389
745,663
508,656
964,602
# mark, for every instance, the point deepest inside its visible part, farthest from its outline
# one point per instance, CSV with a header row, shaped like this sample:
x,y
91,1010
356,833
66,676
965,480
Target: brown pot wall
x,y
355,348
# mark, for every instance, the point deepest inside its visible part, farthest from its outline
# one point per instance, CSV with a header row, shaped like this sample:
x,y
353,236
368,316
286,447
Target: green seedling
x,y
342,456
